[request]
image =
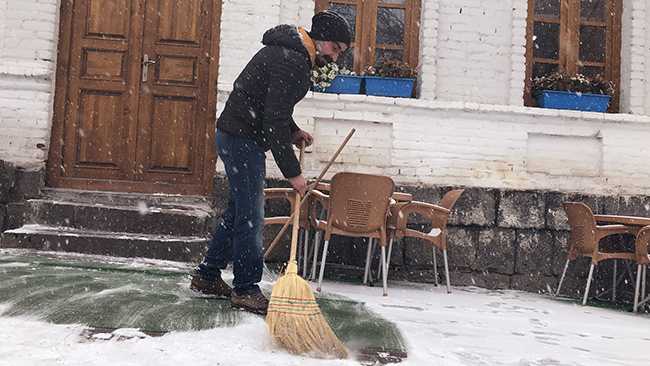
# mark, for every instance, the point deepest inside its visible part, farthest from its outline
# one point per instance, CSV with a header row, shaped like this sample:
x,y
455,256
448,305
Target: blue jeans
x,y
239,235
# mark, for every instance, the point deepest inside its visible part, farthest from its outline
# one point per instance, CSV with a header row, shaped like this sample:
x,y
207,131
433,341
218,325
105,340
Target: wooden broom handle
x,y
296,211
310,188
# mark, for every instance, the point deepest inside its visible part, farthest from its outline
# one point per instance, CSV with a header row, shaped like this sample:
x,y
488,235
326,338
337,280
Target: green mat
x,y
155,300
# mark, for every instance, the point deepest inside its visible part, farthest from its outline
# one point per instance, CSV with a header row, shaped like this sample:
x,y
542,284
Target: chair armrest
x,y
323,187
436,214
317,196
643,246
279,193
607,230
402,197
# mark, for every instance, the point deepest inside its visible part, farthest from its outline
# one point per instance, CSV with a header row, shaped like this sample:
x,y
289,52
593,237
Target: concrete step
x,y
105,211
117,244
167,227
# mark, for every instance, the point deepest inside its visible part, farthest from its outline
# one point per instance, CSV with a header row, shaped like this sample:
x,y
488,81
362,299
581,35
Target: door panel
x,y
99,130
173,123
97,92
136,96
173,94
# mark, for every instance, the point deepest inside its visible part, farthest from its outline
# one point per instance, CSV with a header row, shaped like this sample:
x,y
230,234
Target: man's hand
x,y
299,183
302,135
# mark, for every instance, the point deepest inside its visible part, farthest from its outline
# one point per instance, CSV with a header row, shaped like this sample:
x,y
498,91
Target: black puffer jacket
x,y
265,93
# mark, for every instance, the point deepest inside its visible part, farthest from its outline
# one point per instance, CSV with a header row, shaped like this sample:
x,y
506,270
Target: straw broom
x,y
294,318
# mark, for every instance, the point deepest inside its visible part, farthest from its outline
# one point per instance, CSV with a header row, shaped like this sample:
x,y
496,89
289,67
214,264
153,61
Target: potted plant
x,y
578,92
394,78
334,79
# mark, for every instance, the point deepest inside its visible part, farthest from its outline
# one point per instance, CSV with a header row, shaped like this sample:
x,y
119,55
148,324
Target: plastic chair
x,y
436,214
357,205
585,238
325,188
642,261
290,195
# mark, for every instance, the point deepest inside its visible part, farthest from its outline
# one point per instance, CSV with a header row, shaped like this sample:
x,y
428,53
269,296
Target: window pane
x,y
546,40
346,59
547,9
592,43
390,26
392,1
591,71
349,12
389,54
593,10
542,69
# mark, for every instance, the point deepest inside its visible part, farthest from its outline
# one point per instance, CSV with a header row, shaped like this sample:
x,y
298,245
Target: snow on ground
x,y
471,326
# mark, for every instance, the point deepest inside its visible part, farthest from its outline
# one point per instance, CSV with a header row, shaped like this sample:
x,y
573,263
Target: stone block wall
x,y
496,238
17,184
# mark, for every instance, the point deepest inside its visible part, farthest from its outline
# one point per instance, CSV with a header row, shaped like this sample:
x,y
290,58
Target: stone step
x,y
117,244
111,212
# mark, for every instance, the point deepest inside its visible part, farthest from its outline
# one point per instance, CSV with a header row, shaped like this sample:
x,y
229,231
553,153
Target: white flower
x,y
323,75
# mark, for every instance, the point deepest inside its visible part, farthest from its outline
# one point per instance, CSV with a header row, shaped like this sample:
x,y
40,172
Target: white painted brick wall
x,y
474,51
468,128
28,32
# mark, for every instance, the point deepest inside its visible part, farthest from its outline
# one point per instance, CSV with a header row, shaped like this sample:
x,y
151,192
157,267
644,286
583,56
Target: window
x,y
575,36
380,28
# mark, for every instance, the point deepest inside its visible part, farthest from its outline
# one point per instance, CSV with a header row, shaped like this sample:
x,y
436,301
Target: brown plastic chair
x,y
585,238
290,195
436,214
642,261
357,205
325,188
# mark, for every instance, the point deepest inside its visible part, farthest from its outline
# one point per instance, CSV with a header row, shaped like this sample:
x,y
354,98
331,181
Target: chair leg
x,y
643,281
390,251
444,257
636,288
367,269
591,274
380,266
559,286
322,266
384,270
313,265
306,254
435,267
614,283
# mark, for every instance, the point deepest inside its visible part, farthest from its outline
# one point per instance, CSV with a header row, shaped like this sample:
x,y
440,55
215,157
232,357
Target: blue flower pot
x,y
343,84
389,87
573,101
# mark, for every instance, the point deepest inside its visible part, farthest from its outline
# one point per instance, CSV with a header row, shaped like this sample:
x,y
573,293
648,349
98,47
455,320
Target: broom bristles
x,y
295,320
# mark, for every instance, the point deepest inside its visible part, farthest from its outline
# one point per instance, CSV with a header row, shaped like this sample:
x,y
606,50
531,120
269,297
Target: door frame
x,y
54,161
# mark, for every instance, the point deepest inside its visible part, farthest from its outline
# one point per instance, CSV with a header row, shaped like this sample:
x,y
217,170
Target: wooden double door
x,y
135,99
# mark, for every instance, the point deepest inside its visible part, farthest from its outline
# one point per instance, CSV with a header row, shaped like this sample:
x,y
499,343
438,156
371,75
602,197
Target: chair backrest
x,y
449,200
583,229
359,202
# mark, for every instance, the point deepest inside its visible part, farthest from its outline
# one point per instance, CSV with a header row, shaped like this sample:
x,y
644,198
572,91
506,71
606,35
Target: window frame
x,y
365,44
569,45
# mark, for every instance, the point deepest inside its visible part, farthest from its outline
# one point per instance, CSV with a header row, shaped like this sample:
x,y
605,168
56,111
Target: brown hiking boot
x,y
217,287
254,303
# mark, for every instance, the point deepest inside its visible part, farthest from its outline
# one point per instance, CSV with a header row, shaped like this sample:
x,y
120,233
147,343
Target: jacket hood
x,y
285,35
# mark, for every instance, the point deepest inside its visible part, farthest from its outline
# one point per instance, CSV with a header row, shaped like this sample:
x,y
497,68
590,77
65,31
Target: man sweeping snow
x,y
256,118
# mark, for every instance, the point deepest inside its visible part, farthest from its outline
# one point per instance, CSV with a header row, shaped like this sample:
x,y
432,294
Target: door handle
x,y
145,67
